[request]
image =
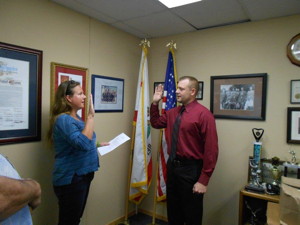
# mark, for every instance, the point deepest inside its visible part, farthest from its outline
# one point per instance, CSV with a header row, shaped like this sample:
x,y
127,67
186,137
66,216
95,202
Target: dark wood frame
x,y
220,108
291,122
34,58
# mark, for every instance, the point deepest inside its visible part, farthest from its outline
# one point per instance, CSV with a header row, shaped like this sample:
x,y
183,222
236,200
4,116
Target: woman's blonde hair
x,y
61,105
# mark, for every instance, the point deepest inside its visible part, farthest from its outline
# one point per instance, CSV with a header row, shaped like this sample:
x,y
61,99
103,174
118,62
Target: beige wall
x,y
68,37
257,47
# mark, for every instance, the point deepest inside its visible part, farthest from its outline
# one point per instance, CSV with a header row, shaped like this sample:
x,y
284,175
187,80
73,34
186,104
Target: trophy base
x,y
254,188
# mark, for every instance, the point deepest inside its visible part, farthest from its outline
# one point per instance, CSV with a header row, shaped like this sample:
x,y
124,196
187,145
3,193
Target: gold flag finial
x,y
171,45
145,43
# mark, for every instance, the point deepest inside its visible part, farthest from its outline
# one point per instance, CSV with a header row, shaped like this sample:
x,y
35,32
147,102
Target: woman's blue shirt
x,y
75,153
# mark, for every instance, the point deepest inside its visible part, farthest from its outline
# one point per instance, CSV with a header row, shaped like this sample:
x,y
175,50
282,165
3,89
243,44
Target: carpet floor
x,y
143,219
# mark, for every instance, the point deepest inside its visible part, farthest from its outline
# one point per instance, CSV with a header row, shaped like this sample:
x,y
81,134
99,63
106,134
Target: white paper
x,y
14,92
113,144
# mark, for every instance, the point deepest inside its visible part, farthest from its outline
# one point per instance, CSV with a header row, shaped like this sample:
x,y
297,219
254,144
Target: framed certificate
x,y
21,91
295,91
293,125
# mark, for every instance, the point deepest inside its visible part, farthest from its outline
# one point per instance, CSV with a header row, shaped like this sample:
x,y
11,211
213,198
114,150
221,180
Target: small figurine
x,y
293,160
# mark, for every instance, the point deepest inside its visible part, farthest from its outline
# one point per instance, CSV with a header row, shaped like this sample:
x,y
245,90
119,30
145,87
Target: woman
x,y
76,157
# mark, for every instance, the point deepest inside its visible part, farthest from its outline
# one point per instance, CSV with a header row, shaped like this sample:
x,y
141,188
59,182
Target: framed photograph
x,y
239,96
200,92
293,125
156,84
295,91
61,72
108,93
21,91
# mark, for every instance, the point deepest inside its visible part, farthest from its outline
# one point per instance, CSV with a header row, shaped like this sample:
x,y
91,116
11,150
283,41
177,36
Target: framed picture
x,y
293,125
156,84
200,92
295,91
108,93
20,90
239,96
61,72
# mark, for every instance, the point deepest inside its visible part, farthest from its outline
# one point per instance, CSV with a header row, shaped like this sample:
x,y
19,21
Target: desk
x,y
254,196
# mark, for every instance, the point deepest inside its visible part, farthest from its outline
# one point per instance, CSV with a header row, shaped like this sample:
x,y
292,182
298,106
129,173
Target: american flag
x,y
169,101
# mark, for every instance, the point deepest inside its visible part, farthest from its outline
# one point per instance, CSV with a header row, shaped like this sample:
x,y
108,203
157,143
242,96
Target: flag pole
x,y
172,46
144,43
126,221
155,181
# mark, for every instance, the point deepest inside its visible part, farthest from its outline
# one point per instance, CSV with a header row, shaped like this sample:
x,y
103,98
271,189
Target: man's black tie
x,y
175,134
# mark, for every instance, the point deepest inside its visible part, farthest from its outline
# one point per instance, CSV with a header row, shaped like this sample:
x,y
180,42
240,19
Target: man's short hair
x,y
193,82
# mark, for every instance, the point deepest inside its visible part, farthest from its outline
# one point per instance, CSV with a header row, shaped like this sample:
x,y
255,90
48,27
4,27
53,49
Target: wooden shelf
x,y
244,193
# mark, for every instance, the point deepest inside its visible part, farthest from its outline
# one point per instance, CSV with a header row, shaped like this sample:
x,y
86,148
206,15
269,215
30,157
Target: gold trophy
x,y
276,173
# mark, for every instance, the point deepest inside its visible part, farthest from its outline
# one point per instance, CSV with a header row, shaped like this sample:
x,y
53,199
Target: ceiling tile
x,y
150,18
209,13
160,24
131,30
82,8
259,10
124,9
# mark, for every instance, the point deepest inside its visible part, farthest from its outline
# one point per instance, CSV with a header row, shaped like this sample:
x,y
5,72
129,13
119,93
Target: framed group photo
x,y
293,125
108,93
61,72
239,96
20,90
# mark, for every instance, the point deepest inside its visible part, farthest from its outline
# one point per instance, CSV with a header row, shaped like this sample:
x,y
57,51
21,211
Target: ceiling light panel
x,y
175,3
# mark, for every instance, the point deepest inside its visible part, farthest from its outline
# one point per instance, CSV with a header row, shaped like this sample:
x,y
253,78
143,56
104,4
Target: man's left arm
x,y
210,155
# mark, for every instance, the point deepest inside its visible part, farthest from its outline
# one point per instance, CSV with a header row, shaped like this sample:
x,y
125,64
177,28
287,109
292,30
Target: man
x,y
16,195
196,152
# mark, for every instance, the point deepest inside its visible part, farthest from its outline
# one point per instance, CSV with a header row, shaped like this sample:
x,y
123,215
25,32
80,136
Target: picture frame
x,y
156,84
295,92
293,125
21,91
200,92
108,93
62,72
240,96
